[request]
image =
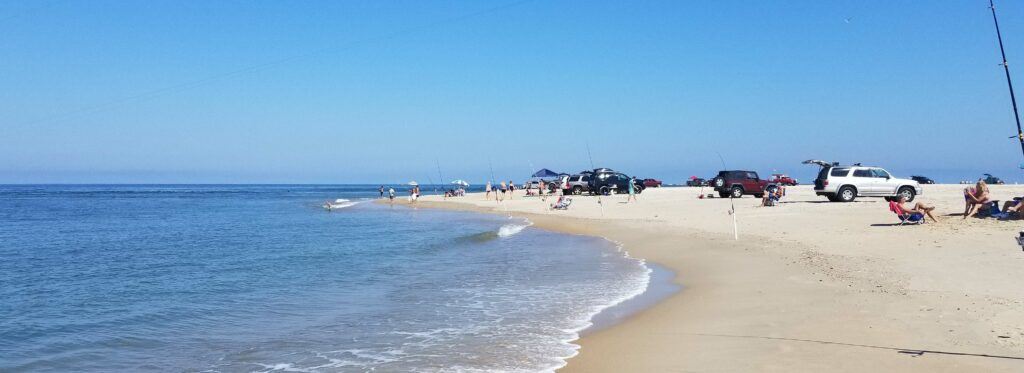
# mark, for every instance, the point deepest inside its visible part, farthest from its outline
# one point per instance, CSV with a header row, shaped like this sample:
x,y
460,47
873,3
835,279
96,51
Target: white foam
x,y
638,286
341,203
511,229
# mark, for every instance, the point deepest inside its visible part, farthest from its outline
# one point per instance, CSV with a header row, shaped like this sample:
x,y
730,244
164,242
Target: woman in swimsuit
x,y
975,197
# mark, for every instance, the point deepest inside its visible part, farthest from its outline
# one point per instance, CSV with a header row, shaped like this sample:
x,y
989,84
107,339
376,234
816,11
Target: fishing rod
x,y
1006,68
491,167
732,204
438,163
593,175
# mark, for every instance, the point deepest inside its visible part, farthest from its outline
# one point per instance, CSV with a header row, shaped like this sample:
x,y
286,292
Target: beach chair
x,y
562,204
905,217
993,210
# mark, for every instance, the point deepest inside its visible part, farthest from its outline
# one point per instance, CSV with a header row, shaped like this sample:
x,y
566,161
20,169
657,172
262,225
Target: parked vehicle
x,y
652,183
697,182
846,183
922,179
738,183
551,185
580,183
989,179
605,181
783,179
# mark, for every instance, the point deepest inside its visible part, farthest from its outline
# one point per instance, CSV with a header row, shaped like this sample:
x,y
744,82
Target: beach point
x,y
810,286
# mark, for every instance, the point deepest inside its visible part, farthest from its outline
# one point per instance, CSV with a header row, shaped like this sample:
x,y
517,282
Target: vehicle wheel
x,y
577,190
847,194
906,192
723,194
737,191
604,191
719,182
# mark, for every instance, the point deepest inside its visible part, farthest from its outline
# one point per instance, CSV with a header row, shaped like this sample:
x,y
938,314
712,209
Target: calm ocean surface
x,y
260,278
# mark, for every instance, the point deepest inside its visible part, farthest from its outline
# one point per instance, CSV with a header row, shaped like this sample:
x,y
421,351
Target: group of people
x,y
414,193
504,188
459,192
391,192
977,202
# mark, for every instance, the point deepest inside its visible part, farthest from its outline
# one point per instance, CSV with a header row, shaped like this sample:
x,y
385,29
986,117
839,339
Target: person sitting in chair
x,y
918,208
975,197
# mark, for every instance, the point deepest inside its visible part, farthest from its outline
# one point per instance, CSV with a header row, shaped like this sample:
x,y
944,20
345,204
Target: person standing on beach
x,y
487,189
632,190
391,195
503,190
541,189
511,189
381,190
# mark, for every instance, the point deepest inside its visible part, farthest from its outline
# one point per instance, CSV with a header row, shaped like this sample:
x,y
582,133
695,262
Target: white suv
x,y
846,183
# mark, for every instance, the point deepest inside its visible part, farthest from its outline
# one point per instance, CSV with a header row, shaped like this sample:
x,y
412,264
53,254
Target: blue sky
x,y
378,91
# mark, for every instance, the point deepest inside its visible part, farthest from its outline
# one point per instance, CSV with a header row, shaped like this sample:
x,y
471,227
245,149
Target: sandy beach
x,y
809,286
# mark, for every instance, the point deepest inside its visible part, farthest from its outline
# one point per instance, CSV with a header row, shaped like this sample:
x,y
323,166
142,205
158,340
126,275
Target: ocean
x,y
260,278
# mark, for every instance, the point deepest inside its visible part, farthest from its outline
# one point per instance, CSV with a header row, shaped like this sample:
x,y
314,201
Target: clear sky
x,y
378,91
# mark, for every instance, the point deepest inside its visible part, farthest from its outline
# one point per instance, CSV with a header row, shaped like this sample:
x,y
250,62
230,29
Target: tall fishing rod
x,y
732,204
491,167
438,163
1006,68
592,176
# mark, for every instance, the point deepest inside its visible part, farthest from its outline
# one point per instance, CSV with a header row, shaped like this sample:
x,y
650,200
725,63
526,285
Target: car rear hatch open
x,y
819,182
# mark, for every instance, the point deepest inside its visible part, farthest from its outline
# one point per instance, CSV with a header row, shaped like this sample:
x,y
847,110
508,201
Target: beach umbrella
x,y
413,183
692,177
460,182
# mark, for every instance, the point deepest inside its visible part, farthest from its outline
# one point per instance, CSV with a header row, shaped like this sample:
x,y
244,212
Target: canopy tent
x,y
546,173
460,182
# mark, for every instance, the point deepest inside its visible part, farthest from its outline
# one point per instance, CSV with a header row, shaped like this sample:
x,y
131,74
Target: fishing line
x,y
732,211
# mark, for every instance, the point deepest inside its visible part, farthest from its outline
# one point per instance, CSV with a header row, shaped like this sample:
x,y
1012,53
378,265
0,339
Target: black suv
x,y
922,180
604,181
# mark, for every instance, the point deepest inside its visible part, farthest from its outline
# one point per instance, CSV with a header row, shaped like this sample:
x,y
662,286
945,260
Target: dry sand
x,y
810,286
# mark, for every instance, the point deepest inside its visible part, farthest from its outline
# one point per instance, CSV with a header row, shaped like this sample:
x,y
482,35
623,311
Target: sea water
x,y
262,278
